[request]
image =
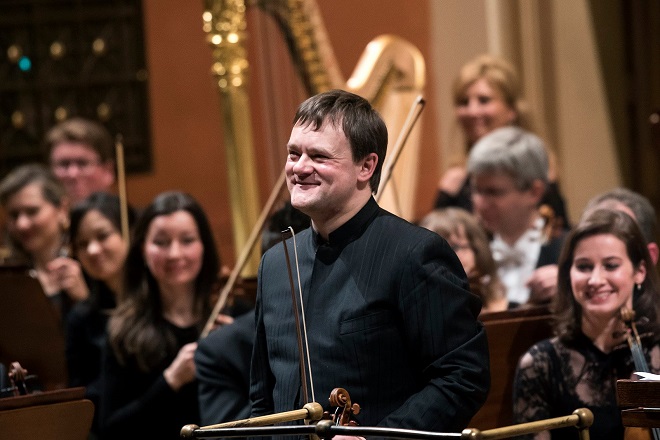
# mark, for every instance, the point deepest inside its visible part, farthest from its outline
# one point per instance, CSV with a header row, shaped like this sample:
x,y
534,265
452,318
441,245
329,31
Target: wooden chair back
x,y
510,334
60,414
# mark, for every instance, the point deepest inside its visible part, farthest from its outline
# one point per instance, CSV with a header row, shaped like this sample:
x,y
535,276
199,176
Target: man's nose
x,y
303,165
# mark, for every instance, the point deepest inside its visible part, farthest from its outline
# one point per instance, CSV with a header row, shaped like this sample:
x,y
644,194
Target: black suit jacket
x,y
389,318
222,362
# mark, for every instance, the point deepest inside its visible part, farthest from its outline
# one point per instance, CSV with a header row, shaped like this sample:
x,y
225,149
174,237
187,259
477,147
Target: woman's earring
x,y
638,287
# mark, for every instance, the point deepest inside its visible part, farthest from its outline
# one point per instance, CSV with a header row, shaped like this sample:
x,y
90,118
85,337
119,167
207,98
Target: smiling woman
x,y
148,380
37,223
98,245
604,267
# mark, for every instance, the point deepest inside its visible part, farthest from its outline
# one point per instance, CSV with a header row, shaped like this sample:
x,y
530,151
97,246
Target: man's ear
x,y
368,167
537,190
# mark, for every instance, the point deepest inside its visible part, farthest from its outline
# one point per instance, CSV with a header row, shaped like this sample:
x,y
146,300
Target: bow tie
x,y
505,256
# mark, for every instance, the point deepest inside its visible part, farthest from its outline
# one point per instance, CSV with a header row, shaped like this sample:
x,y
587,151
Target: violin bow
x,y
245,255
121,183
303,355
404,134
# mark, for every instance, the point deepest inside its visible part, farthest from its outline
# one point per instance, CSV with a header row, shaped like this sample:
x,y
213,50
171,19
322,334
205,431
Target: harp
x,y
390,74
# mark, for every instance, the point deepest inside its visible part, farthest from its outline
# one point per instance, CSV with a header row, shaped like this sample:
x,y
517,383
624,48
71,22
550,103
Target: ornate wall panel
x,y
65,58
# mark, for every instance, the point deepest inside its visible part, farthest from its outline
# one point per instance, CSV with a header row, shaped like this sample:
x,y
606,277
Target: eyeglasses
x,y
457,247
492,192
84,166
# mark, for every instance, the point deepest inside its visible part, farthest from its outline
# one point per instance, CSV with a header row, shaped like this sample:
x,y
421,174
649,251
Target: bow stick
x,y
245,255
121,183
411,119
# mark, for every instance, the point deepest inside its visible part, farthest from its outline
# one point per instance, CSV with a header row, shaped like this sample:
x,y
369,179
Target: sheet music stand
x,y
639,401
31,331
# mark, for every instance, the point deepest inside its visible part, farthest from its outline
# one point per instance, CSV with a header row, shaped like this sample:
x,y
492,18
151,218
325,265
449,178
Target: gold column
x,y
225,24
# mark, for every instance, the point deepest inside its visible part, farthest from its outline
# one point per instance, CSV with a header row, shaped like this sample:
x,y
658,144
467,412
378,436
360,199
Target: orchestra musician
x,y
80,152
487,96
508,172
148,387
37,210
469,240
98,244
388,312
635,205
604,266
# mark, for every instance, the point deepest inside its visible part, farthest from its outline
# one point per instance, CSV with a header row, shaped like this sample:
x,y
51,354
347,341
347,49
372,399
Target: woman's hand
x,y
68,276
182,369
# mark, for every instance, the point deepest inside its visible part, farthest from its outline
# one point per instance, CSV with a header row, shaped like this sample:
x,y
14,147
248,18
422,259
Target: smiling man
x,y
388,314
81,156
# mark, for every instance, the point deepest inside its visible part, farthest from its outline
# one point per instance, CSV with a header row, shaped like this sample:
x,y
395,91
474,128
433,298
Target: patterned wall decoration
x,y
65,58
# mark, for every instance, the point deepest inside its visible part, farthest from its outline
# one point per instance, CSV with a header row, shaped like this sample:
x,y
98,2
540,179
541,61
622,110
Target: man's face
x,y
321,175
80,170
501,207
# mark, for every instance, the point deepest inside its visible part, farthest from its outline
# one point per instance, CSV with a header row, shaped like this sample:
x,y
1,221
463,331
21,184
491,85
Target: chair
x,y
510,334
59,414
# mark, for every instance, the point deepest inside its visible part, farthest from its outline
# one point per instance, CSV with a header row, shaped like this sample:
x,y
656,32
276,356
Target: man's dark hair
x,y
363,126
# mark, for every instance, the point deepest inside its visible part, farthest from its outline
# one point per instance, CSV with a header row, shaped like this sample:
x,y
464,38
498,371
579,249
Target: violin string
x,y
302,312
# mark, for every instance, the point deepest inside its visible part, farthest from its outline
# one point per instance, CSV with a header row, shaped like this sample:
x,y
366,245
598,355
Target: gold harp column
x,y
225,27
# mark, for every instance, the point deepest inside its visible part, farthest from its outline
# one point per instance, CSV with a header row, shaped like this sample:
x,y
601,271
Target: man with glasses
x,y
509,175
81,156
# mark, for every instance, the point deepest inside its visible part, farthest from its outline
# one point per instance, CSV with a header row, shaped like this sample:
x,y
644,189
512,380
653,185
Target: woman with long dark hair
x,y
604,267
148,380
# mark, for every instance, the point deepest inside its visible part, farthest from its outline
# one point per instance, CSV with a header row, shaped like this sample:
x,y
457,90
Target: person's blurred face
x,y
602,276
173,250
481,110
34,222
100,247
500,205
460,243
80,169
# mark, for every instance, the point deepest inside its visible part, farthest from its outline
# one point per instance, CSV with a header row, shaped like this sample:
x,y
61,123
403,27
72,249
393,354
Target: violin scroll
x,y
17,376
340,398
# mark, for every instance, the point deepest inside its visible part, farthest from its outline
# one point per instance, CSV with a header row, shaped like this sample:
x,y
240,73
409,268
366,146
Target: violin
x,y
635,344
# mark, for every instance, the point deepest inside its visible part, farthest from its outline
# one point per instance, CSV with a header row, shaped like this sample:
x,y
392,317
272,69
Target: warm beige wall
x,y
459,33
585,137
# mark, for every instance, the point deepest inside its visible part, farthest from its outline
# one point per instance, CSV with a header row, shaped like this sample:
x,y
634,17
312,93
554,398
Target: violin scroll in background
x,y
16,381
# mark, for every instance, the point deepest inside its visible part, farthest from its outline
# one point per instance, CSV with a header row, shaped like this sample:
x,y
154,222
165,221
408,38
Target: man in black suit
x,y
387,311
222,362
